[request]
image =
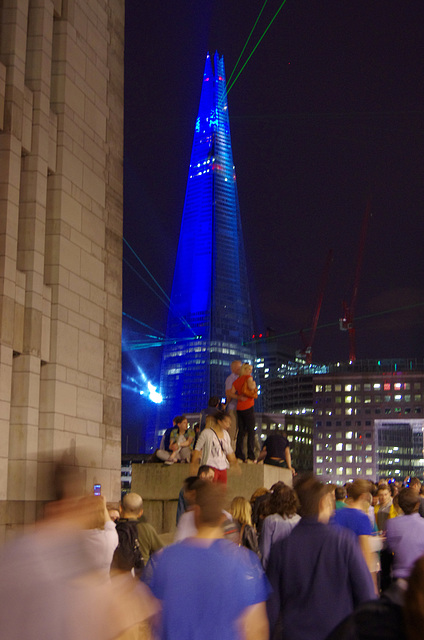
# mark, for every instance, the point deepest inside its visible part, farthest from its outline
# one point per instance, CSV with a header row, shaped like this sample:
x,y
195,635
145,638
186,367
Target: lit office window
x,y
328,387
376,386
339,471
348,412
348,399
349,435
339,446
318,388
348,387
386,386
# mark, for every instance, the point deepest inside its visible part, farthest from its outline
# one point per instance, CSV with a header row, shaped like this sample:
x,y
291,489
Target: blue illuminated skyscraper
x,y
210,314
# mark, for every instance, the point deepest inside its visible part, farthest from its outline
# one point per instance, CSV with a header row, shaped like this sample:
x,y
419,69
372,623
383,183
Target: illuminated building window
x,y
367,387
328,387
377,386
319,459
349,458
348,471
358,459
339,471
368,472
338,399
417,397
377,399
319,472
357,387
318,388
367,399
397,386
348,412
338,434
387,398
337,387
368,447
339,446
398,397
348,447
339,458
368,459
348,387
348,399
408,398
417,385
387,410
407,386
358,471
338,412
387,386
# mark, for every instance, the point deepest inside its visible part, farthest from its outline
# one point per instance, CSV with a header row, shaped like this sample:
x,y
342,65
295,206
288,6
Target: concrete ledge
x,y
159,487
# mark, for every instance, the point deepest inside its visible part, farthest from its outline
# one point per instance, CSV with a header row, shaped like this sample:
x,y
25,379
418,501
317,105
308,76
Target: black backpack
x,y
127,554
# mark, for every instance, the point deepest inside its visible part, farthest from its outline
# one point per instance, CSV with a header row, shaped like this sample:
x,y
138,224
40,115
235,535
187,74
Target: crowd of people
x,y
308,562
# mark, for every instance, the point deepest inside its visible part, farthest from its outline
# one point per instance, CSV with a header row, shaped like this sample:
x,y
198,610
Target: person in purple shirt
x,y
405,534
318,573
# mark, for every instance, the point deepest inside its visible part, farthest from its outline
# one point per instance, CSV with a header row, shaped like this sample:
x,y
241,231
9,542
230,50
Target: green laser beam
x,y
256,46
246,43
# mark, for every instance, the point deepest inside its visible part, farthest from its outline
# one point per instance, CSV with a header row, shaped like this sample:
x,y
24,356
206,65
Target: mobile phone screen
x,y
97,489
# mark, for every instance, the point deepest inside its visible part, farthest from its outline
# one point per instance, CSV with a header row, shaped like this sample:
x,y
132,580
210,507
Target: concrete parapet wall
x,y
159,487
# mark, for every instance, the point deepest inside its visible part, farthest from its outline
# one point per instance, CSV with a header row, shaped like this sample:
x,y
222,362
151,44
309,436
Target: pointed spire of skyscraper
x,y
210,314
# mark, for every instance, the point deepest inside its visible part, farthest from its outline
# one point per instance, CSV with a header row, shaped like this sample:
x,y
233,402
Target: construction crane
x,y
347,320
306,352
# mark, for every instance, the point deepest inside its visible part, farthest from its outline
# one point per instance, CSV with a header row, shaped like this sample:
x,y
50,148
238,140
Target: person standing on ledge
x,y
246,390
276,451
232,398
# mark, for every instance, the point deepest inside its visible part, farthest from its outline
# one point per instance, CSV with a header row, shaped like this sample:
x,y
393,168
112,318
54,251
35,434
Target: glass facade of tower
x,y
210,313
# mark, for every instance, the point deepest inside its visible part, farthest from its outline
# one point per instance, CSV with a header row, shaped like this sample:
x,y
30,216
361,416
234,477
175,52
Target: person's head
x,y
113,513
181,423
316,499
190,489
415,485
174,420
258,493
383,494
206,472
340,493
131,506
235,367
284,502
358,490
209,505
196,427
213,401
223,420
241,510
246,369
408,500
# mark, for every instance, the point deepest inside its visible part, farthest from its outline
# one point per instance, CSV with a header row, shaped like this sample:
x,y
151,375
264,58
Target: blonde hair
x,y
241,510
245,369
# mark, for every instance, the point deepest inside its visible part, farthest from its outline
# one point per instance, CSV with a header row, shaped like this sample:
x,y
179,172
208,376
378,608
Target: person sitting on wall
x,y
180,443
276,451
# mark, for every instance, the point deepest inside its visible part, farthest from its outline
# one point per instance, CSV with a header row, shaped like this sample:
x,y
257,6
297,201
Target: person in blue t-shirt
x,y
355,517
209,587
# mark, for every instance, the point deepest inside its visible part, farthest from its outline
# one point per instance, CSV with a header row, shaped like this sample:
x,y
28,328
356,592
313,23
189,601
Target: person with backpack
x,y
127,556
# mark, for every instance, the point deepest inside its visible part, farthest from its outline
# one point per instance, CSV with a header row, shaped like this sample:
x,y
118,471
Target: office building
x,y
369,420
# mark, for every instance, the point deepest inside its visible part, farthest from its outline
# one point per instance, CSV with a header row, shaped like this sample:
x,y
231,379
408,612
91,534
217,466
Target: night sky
x,y
327,113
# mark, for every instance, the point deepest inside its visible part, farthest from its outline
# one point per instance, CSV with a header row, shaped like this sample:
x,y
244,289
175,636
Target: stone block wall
x,y
61,164
160,485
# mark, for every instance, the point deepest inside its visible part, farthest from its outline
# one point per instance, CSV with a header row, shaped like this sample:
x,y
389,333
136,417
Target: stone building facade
x,y
61,201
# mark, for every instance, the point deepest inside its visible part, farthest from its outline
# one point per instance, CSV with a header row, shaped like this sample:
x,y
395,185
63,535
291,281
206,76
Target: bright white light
x,y
154,396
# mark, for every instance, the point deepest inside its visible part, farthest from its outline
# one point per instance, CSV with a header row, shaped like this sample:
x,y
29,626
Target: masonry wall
x,y
61,149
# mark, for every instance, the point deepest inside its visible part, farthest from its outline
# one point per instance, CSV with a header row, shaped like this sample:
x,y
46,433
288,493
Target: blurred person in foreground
x,y
397,615
52,583
318,573
209,587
